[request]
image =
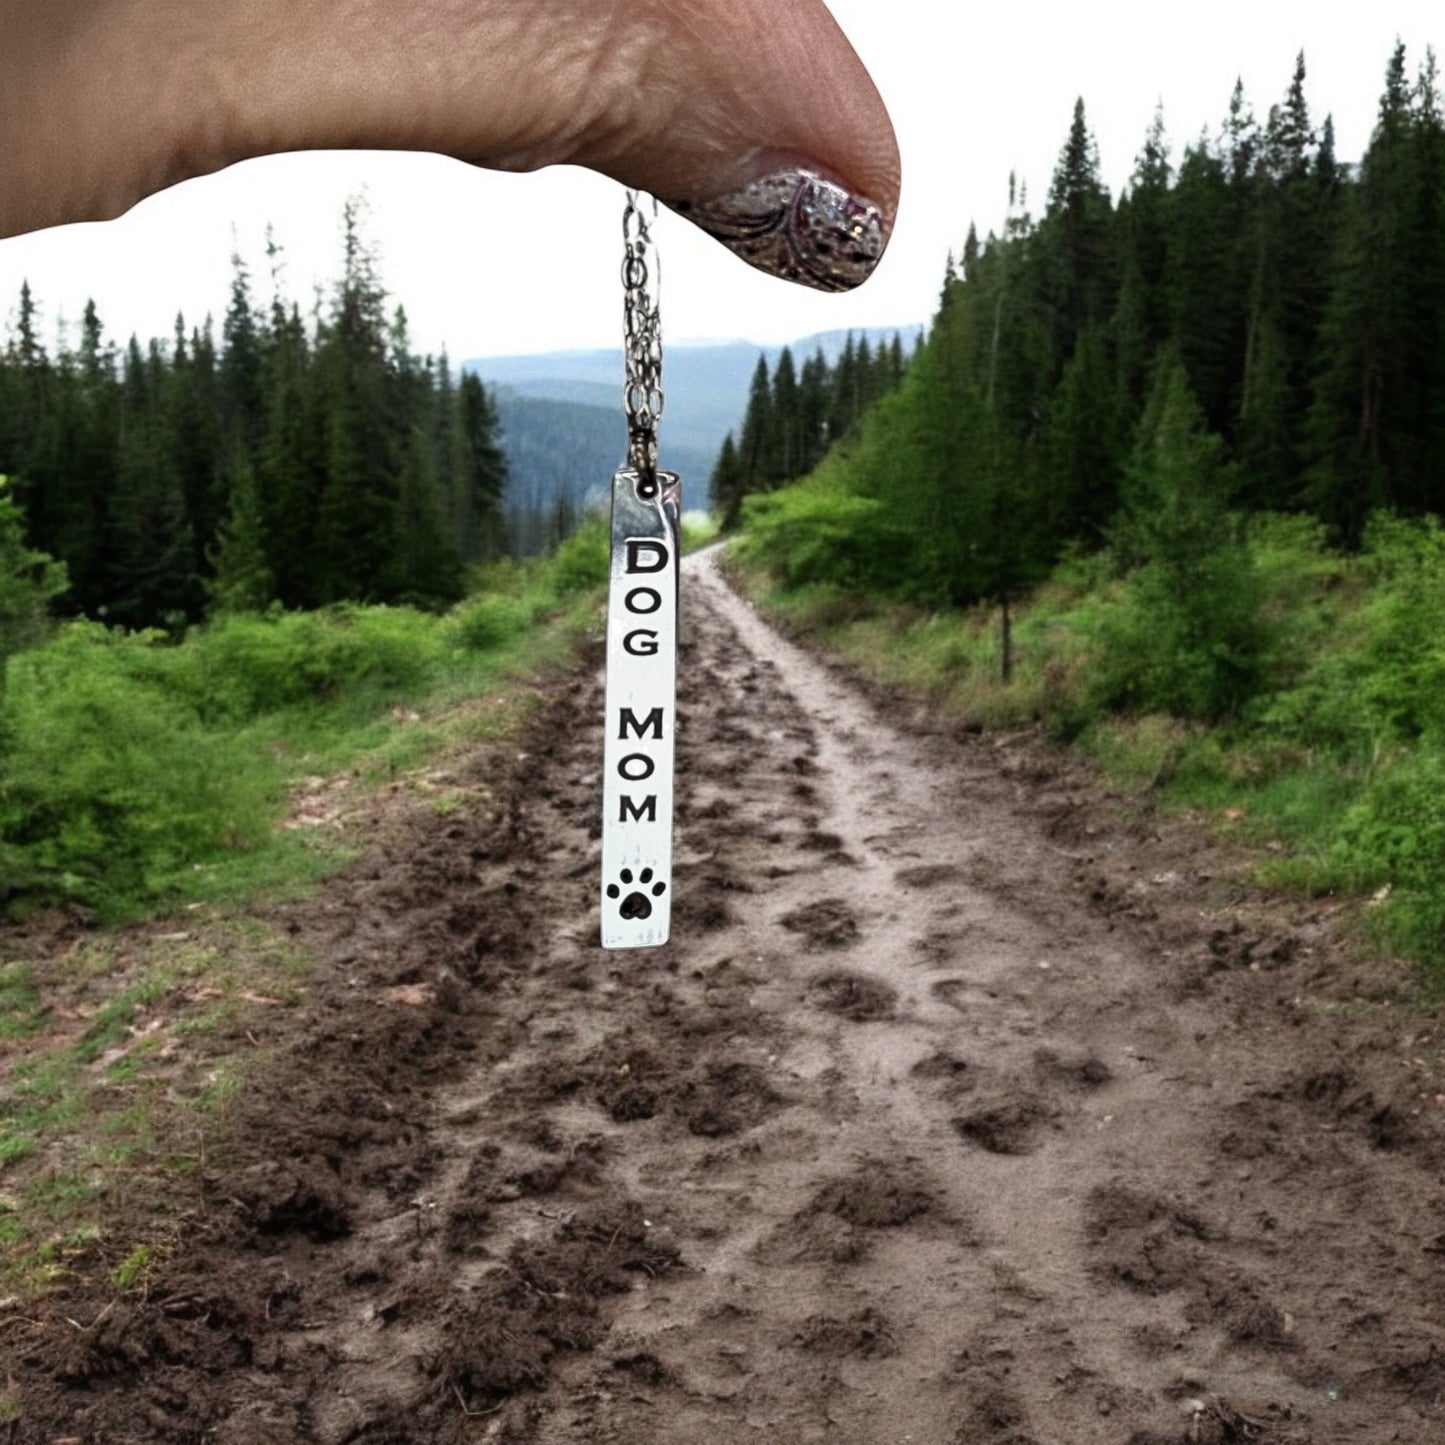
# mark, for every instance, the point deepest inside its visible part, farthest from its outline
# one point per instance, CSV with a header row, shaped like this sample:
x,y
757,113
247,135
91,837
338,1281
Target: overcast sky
x,y
490,264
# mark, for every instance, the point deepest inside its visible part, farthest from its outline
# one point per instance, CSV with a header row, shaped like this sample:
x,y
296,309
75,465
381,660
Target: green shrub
x,y
484,624
248,665
28,581
699,529
112,786
1395,834
1194,651
808,536
580,563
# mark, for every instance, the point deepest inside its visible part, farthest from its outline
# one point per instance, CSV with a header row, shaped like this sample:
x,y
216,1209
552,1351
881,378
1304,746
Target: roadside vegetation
x,y
153,791
1163,479
1332,764
143,772
156,792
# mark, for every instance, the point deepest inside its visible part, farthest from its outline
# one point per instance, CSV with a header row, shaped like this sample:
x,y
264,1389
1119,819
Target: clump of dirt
x,y
854,995
631,1090
1144,1242
840,1219
1007,1126
714,1097
928,875
498,1177
877,1195
724,1098
995,1416
954,1075
704,909
1078,1071
867,1333
1248,1317
303,1196
544,1299
643,1368
828,923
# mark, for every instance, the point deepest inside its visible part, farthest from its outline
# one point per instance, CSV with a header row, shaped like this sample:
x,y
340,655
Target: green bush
x,y
248,665
808,537
1194,651
1368,672
1395,834
1396,830
486,623
112,785
28,581
580,563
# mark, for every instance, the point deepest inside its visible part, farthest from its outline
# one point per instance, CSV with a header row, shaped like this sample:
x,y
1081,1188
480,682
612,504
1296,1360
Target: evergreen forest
x,y
1252,298
299,460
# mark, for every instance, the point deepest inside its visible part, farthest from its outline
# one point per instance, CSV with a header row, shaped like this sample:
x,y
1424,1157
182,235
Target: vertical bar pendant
x,y
641,710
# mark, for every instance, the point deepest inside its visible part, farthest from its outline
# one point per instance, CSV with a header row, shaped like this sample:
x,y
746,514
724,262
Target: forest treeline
x,y
1165,479
1270,316
299,460
795,414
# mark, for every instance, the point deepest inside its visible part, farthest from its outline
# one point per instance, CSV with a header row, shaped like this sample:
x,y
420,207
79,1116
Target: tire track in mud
x,y
901,1139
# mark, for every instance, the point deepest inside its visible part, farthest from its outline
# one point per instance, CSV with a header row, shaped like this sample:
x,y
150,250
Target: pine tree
x,y
1381,377
843,410
150,576
482,476
1081,445
357,511
289,461
29,580
241,579
814,388
191,404
1291,227
755,443
1141,316
1240,142
241,367
1206,291
727,485
1075,239
1192,640
30,397
785,450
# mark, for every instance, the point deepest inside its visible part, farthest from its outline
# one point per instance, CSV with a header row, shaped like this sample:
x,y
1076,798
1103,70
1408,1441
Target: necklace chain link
x,y
642,397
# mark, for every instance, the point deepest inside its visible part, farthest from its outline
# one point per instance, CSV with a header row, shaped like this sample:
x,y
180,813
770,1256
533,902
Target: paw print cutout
x,y
636,904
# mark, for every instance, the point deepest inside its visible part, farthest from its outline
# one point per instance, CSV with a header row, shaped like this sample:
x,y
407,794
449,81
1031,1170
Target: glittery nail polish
x,y
797,225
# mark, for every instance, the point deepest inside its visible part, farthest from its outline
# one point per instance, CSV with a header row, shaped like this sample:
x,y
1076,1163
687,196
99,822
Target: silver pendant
x,y
637,788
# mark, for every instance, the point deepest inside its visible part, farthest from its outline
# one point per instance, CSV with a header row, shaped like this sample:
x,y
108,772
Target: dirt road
x,y
954,1114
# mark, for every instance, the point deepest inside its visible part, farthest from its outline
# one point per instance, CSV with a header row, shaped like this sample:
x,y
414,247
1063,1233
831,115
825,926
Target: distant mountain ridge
x,y
561,411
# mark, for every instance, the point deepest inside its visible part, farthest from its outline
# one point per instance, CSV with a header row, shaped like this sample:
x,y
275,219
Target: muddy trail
x,y
957,1112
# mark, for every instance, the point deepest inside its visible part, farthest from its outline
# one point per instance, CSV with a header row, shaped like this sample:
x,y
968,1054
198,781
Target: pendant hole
x,y
647,490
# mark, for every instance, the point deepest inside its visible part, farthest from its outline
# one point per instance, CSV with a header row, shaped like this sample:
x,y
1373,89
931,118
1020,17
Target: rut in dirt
x,y
949,1116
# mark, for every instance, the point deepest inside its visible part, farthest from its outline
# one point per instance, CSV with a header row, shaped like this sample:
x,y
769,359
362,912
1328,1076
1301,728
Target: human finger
x,y
756,120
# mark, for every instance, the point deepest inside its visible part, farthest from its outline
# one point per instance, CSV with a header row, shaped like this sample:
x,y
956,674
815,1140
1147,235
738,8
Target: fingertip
x,y
763,127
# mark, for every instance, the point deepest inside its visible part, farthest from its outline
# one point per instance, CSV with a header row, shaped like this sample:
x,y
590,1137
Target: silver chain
x,y
642,332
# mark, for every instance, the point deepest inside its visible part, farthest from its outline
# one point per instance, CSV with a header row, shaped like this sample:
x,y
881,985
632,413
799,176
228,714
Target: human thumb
x,y
754,118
